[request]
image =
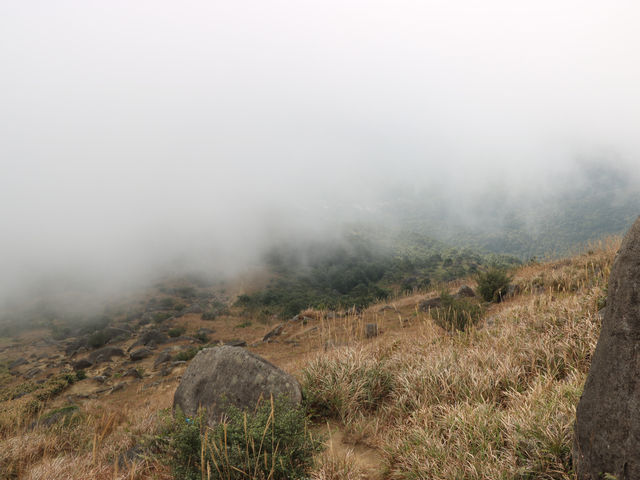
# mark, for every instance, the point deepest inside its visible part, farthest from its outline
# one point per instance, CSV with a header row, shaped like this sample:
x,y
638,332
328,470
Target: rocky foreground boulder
x,y
222,376
607,429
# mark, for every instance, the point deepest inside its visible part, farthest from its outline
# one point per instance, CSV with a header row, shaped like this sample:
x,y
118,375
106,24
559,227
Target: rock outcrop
x,y
607,430
140,354
430,304
465,291
104,354
222,376
371,330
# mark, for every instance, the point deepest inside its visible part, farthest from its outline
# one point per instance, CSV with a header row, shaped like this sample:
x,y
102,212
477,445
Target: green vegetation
x,y
493,284
495,403
601,200
186,355
176,331
365,267
271,442
168,303
41,392
98,339
64,415
216,309
159,317
456,313
201,337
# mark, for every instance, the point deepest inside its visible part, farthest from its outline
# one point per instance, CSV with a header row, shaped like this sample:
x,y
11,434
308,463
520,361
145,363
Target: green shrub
x,y
65,416
201,337
167,303
54,386
176,331
186,355
160,317
60,332
98,339
271,442
456,313
493,284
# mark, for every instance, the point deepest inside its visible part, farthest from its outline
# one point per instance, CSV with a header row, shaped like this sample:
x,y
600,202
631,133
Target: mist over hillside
x,y
145,141
595,200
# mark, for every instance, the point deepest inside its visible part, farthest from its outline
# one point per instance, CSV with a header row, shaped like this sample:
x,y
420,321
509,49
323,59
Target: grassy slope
x,y
495,403
416,402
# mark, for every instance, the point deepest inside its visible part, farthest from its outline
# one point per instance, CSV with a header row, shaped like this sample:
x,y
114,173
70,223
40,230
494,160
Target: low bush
x,y
493,284
201,337
456,313
176,331
159,317
272,442
186,355
98,339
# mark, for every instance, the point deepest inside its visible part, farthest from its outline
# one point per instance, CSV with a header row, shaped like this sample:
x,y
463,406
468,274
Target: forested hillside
x,y
366,265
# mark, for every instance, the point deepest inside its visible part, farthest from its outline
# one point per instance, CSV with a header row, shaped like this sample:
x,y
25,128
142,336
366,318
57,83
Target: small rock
x,y
154,337
132,372
195,308
466,291
371,330
17,363
387,307
236,343
162,358
32,373
81,364
105,354
139,354
186,338
130,456
273,333
430,304
119,386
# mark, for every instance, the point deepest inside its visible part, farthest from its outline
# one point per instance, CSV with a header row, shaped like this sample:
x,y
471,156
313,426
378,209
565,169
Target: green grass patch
x,y
271,442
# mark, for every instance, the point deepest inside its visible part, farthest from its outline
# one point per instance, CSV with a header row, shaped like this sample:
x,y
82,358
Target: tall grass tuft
x,y
270,443
497,402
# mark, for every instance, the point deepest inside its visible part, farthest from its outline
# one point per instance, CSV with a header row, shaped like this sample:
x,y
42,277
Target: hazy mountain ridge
x,y
586,205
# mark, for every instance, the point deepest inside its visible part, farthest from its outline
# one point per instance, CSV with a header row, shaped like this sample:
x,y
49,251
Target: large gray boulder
x,y
222,376
607,429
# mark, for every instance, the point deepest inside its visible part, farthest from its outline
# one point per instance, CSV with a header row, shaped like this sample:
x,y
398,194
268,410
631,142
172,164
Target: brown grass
x,y
494,402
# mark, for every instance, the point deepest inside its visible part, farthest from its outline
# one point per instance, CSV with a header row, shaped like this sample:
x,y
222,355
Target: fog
x,y
148,136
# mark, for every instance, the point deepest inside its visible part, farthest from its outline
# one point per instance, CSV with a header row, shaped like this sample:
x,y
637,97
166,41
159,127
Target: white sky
x,y
133,131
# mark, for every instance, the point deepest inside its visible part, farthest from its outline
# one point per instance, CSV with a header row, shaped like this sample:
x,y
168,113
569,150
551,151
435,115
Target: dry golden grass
x,y
86,445
495,402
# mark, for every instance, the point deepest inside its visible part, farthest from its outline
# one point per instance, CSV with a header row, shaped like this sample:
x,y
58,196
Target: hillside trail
x,y
368,460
